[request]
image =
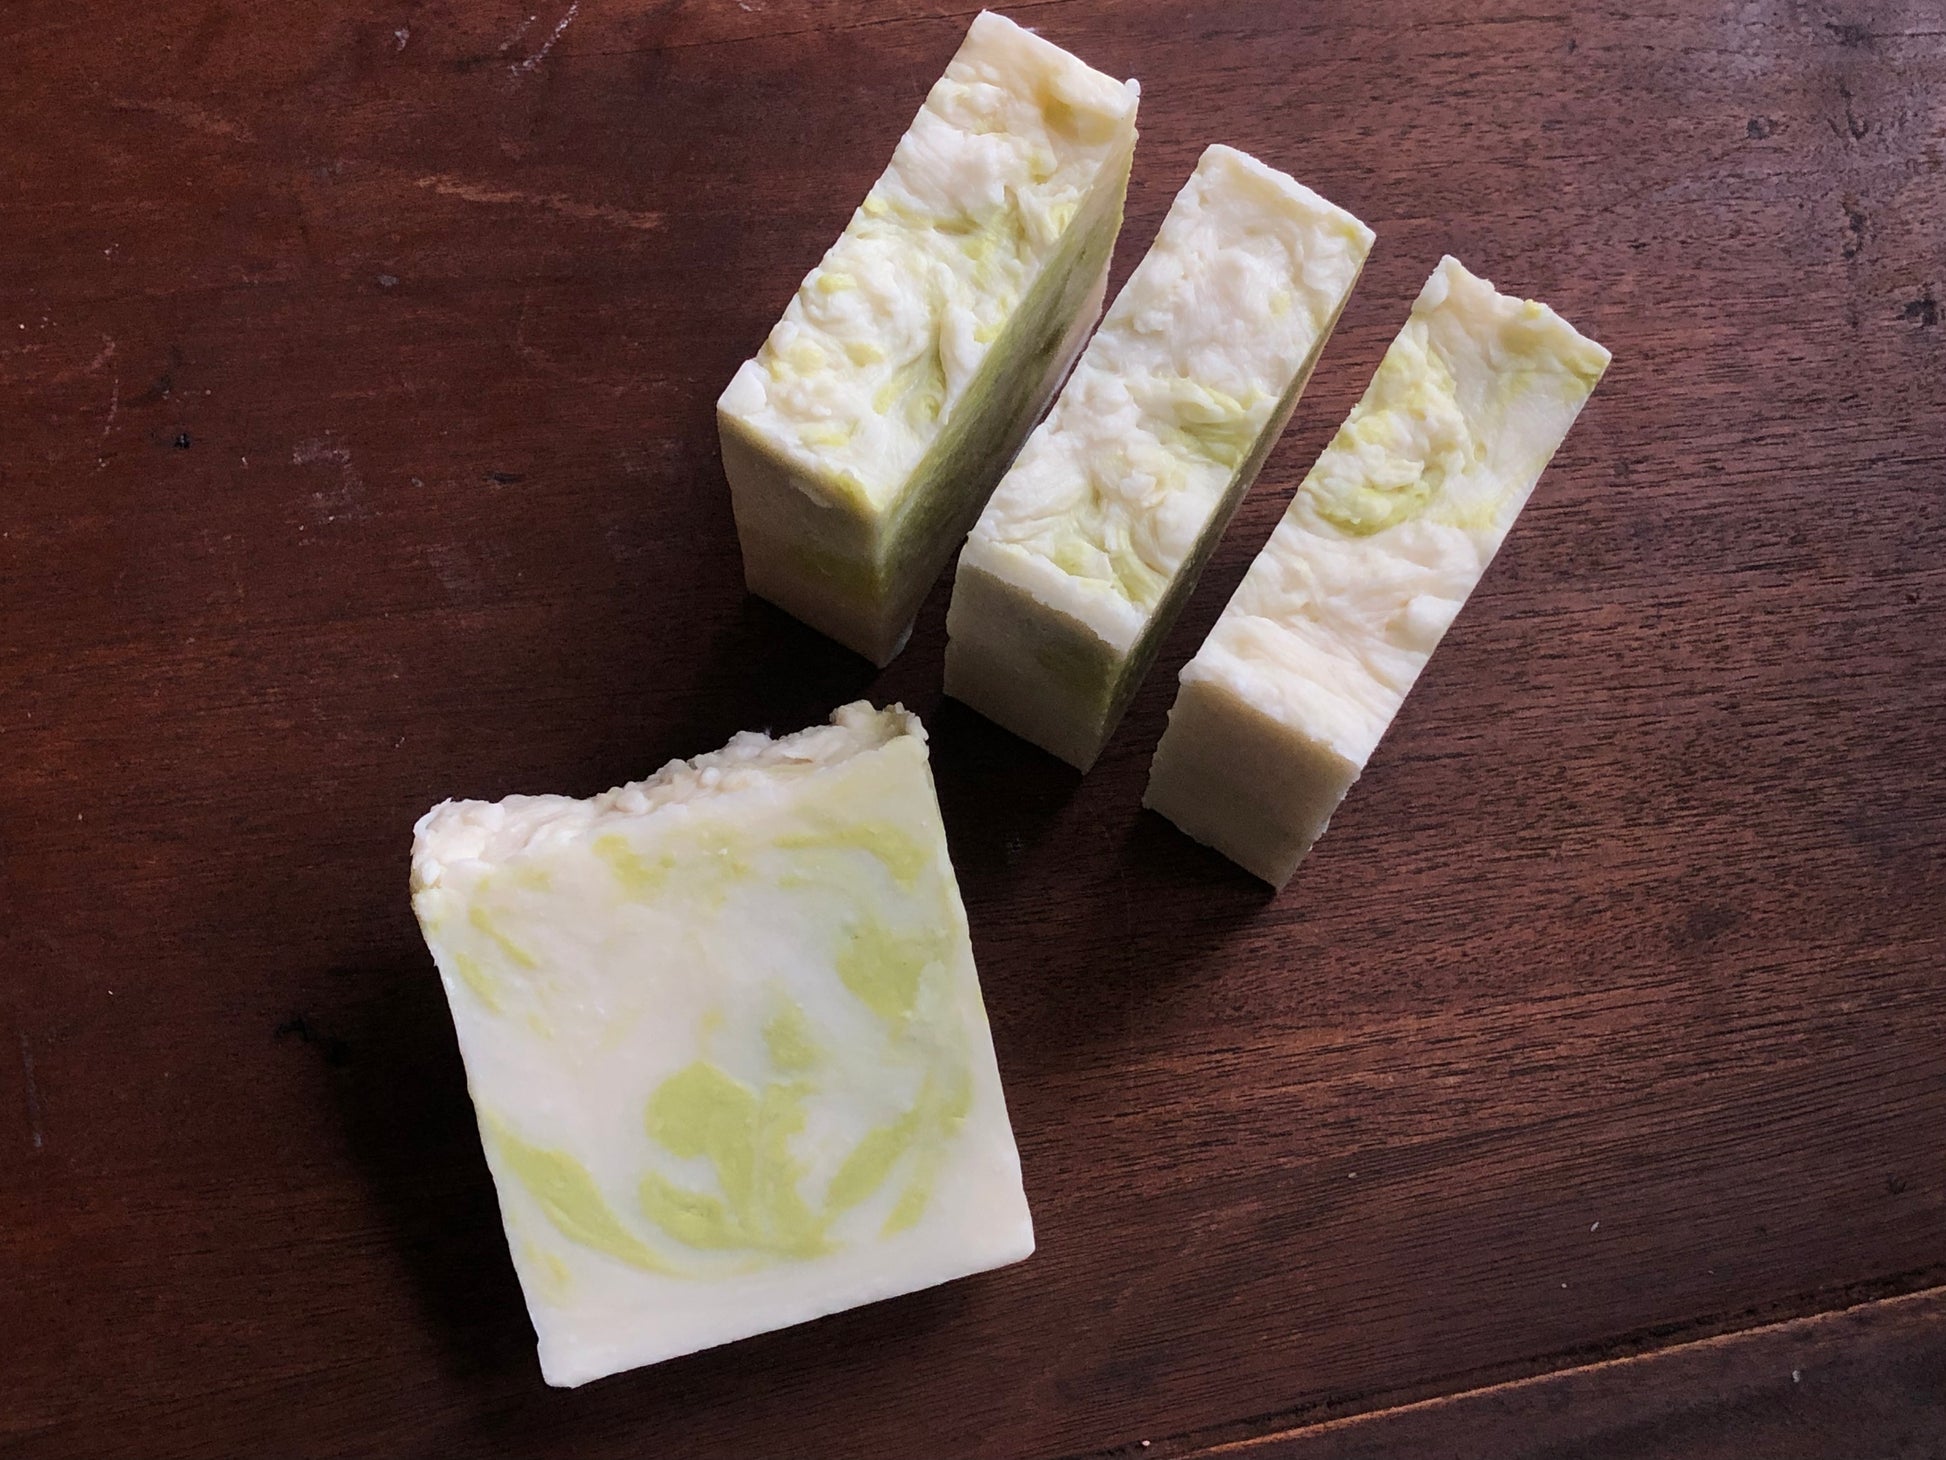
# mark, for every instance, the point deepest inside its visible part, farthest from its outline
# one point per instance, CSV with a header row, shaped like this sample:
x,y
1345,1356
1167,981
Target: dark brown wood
x,y
1864,1381
356,449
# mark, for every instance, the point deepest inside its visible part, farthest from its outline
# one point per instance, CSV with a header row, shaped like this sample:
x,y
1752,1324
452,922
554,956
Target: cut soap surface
x,y
862,440
1294,687
725,1040
1098,532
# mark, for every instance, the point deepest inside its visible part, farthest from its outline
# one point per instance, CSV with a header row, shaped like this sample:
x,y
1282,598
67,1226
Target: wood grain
x,y
1864,1381
356,372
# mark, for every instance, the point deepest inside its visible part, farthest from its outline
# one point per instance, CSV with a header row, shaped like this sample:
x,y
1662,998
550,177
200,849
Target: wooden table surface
x,y
356,449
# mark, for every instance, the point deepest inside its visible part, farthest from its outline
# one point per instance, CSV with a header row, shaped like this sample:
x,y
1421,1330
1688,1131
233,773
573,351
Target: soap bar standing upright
x,y
1096,536
1289,695
725,1040
864,437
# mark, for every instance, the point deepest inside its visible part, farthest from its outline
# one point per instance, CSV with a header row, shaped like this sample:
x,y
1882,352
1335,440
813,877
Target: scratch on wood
x,y
1855,224
452,187
190,115
348,499
525,25
81,372
522,67
1856,127
33,1093
107,426
457,575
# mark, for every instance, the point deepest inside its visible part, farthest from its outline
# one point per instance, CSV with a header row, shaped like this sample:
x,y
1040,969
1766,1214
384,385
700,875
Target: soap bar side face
x,y
726,1044
1233,779
867,432
1032,669
1387,536
1103,525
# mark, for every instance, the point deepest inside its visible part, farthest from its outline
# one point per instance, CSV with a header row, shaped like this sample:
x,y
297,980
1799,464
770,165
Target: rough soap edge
x,y
744,763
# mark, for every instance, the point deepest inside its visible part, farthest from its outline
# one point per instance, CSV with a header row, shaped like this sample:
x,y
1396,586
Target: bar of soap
x,y
725,1041
1097,534
1289,695
864,437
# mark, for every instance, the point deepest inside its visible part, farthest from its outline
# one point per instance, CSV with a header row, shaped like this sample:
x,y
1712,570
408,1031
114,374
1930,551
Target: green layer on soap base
x,y
821,553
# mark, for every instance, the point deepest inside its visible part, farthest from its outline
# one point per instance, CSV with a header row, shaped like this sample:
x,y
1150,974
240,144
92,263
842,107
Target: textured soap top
x,y
859,377
1113,491
1402,513
725,1040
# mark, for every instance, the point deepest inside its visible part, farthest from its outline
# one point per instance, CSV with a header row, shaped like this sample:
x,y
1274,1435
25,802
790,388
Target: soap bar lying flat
x,y
1096,535
865,436
1288,697
725,1041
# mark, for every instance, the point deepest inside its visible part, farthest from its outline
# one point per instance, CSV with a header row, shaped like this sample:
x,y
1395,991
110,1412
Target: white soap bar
x,y
865,436
1289,695
1098,532
725,1041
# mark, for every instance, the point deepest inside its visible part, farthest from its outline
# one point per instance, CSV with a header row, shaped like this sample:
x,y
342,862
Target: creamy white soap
x,y
1098,532
1287,698
864,437
725,1040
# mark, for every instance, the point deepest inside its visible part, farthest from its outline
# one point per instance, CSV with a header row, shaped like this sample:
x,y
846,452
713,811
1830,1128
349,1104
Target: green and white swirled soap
x,y
1387,536
726,1042
1098,532
864,437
